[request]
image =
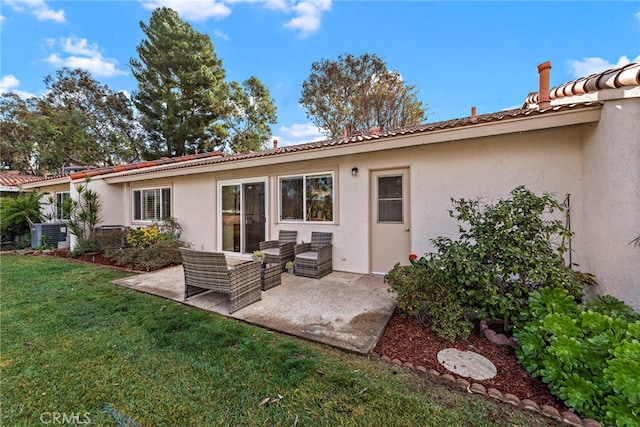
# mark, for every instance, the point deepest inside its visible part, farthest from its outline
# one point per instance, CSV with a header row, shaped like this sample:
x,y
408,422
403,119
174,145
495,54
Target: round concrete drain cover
x,y
467,364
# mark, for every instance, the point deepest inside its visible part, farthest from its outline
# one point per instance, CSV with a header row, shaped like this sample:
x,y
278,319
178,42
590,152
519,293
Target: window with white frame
x,y
152,204
62,207
307,197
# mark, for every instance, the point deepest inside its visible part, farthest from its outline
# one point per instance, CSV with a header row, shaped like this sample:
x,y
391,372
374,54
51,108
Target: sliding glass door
x,y
243,218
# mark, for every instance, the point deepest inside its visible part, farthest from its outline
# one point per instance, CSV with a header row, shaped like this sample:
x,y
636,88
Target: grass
x,y
76,345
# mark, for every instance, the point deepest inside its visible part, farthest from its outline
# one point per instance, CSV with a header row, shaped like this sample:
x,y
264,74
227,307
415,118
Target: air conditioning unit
x,y
48,232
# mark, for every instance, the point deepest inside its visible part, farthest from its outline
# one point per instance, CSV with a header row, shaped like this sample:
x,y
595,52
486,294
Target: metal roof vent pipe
x,y
544,101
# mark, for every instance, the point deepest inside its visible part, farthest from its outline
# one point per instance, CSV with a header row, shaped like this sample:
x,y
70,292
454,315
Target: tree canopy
x,y
181,92
86,123
17,143
253,111
77,122
359,93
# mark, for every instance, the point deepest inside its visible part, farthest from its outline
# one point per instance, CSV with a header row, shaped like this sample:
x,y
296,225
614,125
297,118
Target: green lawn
x,y
74,344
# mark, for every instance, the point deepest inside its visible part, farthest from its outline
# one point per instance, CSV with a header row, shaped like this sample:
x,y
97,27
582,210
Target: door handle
x,y
407,229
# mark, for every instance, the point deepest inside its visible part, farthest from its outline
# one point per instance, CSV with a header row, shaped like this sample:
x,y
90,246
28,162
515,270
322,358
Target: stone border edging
x,y
565,417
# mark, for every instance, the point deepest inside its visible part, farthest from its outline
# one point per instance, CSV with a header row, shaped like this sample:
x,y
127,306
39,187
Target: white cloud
x,y
299,133
38,8
9,83
306,19
219,34
85,55
587,66
192,10
308,16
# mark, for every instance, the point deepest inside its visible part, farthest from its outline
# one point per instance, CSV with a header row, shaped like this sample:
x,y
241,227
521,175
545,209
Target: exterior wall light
x,y
354,171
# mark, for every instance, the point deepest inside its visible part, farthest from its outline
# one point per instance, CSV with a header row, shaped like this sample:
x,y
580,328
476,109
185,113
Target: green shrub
x,y
84,216
159,255
110,239
18,214
504,252
143,237
431,302
588,355
152,247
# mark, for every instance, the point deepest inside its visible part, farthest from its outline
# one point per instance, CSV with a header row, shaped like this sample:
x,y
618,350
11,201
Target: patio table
x,y
270,275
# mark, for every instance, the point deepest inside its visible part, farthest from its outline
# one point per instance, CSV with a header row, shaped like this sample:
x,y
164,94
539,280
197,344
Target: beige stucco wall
x,y
597,163
544,161
489,168
611,164
49,191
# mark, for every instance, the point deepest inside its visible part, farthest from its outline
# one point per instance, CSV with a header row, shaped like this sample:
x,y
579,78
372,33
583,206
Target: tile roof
x,y
627,75
15,179
88,173
364,137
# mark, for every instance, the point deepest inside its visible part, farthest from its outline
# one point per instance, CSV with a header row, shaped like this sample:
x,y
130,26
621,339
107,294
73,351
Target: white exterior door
x,y
390,232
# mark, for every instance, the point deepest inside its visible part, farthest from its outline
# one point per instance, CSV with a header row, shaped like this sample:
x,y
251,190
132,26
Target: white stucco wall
x,y
194,206
611,164
49,191
490,167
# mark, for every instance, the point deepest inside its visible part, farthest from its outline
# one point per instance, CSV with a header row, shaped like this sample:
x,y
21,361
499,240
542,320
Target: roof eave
x,y
46,183
536,121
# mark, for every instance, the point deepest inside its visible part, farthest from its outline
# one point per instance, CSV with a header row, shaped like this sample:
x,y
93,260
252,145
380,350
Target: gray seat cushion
x,y
308,256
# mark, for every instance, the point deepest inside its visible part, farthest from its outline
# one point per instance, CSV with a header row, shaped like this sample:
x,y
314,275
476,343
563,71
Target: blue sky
x,y
458,54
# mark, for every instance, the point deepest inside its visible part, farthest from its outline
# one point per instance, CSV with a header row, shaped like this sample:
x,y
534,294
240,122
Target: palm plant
x,y
18,214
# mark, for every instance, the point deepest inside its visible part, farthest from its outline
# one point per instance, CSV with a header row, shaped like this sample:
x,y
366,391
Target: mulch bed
x,y
407,340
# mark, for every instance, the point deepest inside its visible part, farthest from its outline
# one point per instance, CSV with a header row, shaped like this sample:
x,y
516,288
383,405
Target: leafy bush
x,y
147,258
143,237
433,303
18,214
506,251
84,216
110,239
589,355
152,247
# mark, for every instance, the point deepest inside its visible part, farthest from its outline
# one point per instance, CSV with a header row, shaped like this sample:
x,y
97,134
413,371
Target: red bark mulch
x,y
409,341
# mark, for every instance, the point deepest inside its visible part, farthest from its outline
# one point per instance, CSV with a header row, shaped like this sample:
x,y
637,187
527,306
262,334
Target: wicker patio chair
x,y
282,250
314,259
204,271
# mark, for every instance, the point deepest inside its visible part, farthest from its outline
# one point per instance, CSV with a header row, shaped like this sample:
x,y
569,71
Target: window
x,y
62,208
307,198
152,204
390,199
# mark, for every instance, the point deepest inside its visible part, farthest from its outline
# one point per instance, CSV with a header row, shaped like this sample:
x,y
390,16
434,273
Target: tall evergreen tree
x,y
358,93
253,111
181,95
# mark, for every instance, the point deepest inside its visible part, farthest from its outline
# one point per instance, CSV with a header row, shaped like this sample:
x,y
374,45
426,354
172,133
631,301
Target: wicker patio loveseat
x,y
314,259
205,271
280,251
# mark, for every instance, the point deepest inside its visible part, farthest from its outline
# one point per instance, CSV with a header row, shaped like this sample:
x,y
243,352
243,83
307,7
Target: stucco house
x,y
385,194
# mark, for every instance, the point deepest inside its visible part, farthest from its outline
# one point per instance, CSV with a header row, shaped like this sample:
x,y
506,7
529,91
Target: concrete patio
x,y
345,310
